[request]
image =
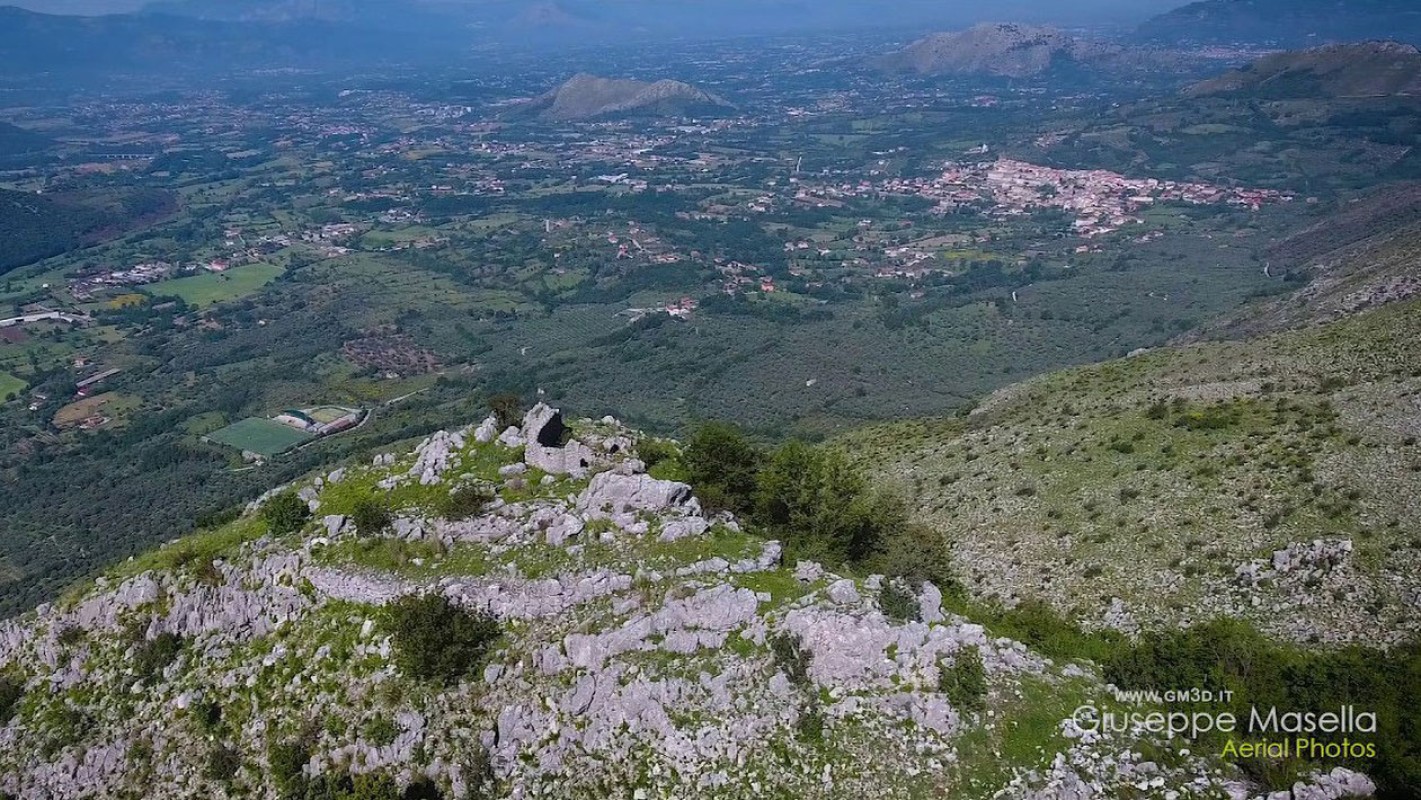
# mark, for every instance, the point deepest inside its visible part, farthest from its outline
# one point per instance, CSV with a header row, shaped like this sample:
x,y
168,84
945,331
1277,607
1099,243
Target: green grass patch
x,y
218,287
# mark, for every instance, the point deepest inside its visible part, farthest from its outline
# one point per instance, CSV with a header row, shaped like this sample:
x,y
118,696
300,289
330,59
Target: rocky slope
x,y
1366,69
1363,254
1005,50
1273,480
586,97
637,658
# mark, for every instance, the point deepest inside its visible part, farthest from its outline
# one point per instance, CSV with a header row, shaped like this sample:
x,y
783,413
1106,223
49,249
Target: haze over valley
x,y
725,399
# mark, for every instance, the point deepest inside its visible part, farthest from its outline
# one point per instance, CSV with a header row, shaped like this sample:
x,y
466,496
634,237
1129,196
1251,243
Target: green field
x,y
215,287
9,384
261,436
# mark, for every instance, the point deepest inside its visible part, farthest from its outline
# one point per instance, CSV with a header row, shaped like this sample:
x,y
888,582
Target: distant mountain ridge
x,y
1366,69
1007,50
586,97
34,42
1290,23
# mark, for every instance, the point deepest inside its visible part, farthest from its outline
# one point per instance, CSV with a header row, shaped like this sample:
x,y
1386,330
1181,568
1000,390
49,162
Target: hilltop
x,y
1367,69
529,613
586,97
1289,23
1004,49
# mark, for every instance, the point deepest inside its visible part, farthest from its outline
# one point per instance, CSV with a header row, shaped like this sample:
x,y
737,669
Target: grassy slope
x,y
1069,488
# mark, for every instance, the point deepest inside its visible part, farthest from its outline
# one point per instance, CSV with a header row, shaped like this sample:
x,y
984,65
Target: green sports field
x,y
261,436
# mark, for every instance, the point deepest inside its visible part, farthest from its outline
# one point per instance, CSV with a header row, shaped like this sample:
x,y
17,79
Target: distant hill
x,y
32,42
16,141
1367,69
587,97
1290,23
35,226
1003,49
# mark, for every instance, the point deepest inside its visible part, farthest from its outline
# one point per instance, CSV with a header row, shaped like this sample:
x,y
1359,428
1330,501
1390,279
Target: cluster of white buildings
x,y
1101,201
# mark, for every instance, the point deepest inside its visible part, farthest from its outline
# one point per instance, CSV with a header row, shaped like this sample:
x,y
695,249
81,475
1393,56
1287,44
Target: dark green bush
x,y
465,502
655,451
381,731
285,513
223,763
810,726
1262,673
11,690
371,517
964,681
822,508
286,759
898,602
917,553
152,656
436,640
791,658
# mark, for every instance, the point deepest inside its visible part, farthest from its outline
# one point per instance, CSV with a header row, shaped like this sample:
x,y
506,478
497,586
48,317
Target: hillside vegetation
x,y
1273,480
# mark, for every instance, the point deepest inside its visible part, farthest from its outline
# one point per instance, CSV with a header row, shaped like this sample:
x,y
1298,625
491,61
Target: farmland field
x,y
215,287
261,436
9,384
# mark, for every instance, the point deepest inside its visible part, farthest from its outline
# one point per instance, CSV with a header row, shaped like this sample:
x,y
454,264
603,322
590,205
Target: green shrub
x,y
821,506
898,602
285,513
964,681
223,763
150,658
286,759
381,731
436,640
791,658
1231,655
371,516
465,502
810,726
208,714
11,690
655,451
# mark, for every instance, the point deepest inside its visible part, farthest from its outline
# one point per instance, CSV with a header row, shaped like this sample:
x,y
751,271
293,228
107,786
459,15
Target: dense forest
x,y
39,226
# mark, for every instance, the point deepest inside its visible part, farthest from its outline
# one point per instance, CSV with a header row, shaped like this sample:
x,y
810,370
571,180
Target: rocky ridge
x,y
637,656
1004,49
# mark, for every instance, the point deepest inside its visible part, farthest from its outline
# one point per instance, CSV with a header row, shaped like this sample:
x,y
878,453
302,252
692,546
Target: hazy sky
x,y
993,9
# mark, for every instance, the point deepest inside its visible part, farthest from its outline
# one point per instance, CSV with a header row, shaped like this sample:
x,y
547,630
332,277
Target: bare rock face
x,y
548,448
613,494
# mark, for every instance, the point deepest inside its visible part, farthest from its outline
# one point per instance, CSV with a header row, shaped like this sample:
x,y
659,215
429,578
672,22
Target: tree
x,y
508,408
821,505
436,640
285,513
722,464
